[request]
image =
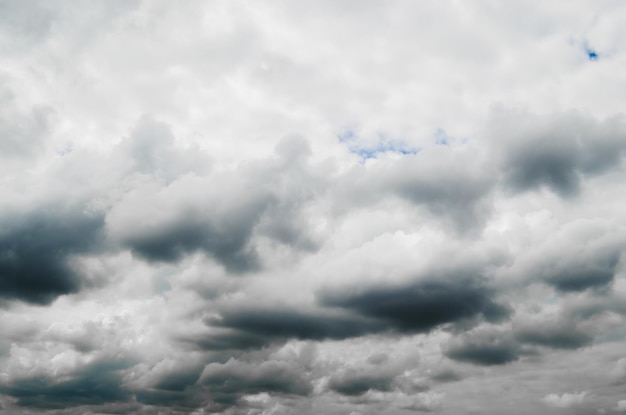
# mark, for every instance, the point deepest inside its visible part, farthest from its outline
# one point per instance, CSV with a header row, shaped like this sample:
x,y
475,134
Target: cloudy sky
x,y
312,207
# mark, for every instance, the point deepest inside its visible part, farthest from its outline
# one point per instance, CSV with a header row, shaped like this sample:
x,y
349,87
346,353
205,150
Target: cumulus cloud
x,y
423,305
559,335
484,347
310,208
36,250
558,151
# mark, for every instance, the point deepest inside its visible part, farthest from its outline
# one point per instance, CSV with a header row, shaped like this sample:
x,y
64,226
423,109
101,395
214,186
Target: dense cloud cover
x,y
329,207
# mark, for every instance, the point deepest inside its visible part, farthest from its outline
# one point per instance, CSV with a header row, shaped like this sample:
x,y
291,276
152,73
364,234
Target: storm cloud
x,y
423,305
36,251
97,383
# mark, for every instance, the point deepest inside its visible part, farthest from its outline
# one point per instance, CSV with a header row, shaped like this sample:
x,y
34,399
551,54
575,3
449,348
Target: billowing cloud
x,y
557,152
36,249
275,208
559,335
423,305
484,347
229,380
97,383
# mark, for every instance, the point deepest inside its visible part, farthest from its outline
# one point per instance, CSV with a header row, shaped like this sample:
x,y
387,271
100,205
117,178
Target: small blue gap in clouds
x,y
592,54
346,136
441,138
383,145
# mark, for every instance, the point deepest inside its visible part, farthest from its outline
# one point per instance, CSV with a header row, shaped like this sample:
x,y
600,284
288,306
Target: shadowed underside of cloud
x,y
484,347
171,243
418,307
584,276
447,183
423,305
35,249
356,384
554,335
98,383
227,382
274,324
556,151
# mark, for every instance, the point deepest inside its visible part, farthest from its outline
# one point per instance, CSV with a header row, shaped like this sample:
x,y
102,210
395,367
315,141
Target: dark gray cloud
x,y
416,307
279,324
583,255
422,305
556,151
587,307
35,249
97,383
217,214
227,241
380,372
228,340
227,382
184,401
484,347
179,379
446,375
209,223
353,383
457,194
175,387
556,335
581,276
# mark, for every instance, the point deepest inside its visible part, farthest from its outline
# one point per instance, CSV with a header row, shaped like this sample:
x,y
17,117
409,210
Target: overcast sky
x,y
312,207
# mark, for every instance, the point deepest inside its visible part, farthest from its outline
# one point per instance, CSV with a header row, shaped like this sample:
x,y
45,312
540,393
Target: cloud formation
x,y
279,208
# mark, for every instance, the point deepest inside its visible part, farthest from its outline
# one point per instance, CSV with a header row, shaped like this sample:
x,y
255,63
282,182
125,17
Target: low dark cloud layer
x,y
36,249
97,383
355,384
279,324
558,335
584,277
484,347
422,305
557,151
172,241
228,381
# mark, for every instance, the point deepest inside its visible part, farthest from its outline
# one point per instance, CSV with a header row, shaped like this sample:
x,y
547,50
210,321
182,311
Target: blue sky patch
x,y
371,150
441,138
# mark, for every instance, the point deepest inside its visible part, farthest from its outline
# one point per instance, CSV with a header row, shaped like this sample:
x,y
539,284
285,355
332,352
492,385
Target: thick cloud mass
x,y
424,305
483,348
98,383
557,152
35,252
292,323
230,380
329,207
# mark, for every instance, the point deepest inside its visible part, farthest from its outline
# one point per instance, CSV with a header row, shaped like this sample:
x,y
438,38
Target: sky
x,y
325,207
